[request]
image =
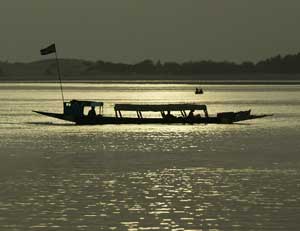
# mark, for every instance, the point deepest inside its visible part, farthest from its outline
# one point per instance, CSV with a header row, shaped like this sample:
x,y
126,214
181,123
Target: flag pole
x,y
59,76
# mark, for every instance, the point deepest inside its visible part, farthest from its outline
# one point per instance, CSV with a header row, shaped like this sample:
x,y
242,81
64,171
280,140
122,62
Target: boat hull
x,y
85,120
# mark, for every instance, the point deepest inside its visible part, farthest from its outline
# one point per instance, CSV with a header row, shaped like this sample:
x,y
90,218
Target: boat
x,y
74,112
199,91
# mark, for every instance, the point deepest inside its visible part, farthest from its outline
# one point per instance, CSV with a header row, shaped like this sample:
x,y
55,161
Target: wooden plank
x,y
159,107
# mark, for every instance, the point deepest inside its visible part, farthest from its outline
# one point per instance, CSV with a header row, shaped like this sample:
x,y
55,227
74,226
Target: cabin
x,y
162,108
78,108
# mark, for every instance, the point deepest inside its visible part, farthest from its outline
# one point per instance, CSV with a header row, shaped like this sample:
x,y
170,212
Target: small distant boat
x,y
199,91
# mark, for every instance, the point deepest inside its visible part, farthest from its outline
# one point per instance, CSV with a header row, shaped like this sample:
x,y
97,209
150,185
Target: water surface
x,y
59,176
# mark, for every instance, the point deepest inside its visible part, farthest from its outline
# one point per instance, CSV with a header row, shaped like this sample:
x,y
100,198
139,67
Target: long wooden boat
x,y
74,112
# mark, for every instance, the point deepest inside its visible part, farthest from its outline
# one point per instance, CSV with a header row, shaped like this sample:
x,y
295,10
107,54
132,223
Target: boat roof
x,y
159,107
86,103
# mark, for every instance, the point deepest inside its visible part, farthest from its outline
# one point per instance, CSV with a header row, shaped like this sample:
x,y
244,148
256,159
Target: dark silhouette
x,y
169,115
73,112
92,112
191,114
277,64
148,69
199,91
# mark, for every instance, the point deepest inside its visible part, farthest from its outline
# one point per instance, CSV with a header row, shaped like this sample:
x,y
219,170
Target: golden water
x,y
58,176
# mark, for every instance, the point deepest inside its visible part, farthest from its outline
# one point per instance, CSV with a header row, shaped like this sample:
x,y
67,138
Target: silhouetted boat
x,y
199,91
74,112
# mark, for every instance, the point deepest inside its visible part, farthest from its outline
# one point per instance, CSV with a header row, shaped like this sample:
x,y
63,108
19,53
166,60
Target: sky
x,y
133,30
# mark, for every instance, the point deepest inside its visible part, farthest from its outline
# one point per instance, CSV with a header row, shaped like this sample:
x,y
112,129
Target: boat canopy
x,y
87,103
76,107
159,107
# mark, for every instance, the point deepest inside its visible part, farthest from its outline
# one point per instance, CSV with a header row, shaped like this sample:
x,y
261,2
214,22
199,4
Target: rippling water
x,y
58,176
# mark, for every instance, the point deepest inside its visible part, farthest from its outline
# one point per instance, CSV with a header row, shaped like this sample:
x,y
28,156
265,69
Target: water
x,y
58,176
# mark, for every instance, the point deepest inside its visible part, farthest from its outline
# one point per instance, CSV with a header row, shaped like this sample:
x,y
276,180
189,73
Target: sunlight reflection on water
x,y
57,176
189,199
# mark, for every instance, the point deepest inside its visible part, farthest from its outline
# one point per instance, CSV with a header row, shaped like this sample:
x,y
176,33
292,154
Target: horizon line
x,y
153,60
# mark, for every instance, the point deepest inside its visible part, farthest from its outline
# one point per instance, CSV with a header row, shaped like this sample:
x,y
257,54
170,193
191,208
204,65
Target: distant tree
x,y
51,69
158,67
171,68
247,67
277,64
291,63
271,65
145,67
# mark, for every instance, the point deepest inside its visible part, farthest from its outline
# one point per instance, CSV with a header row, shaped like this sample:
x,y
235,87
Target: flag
x,y
48,50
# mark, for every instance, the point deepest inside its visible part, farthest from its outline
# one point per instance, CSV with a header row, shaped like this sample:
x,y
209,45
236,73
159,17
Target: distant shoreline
x,y
275,68
191,82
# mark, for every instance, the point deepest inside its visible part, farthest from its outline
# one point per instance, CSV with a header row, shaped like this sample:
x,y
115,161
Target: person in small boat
x,y
92,112
199,91
192,116
169,115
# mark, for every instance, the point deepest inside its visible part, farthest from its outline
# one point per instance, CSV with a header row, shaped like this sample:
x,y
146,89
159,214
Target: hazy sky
x,y
132,30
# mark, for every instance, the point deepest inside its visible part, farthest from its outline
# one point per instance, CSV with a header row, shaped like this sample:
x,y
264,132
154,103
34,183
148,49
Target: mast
x,y
49,50
59,77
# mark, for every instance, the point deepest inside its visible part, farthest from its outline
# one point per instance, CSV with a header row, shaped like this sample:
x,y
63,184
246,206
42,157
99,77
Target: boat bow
x,y
56,115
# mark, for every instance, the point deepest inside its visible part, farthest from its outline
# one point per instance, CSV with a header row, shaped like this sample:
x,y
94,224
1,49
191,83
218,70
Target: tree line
x,y
289,64
276,64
